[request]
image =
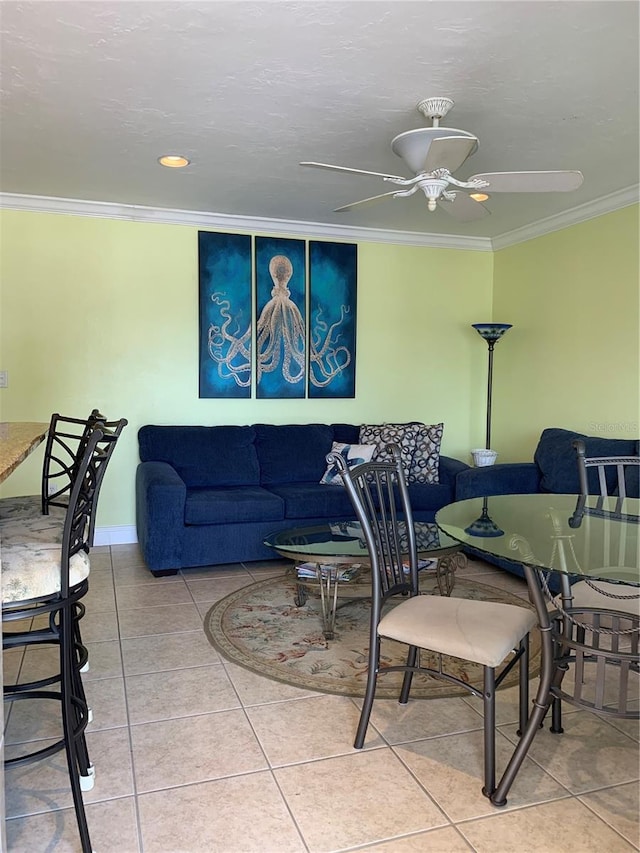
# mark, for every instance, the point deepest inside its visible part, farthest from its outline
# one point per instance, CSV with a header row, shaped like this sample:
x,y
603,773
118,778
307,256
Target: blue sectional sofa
x,y
554,469
207,495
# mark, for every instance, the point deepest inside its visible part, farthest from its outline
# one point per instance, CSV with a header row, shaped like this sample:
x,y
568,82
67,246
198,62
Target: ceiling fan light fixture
x,y
432,189
173,161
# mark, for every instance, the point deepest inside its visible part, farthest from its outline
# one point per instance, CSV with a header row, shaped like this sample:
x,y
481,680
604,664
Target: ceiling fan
x,y
434,153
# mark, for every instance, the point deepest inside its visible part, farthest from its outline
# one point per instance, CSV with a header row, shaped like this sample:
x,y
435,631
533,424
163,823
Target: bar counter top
x,y
17,440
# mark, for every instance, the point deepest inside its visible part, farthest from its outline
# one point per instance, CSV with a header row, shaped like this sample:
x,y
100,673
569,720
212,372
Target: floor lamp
x,y
491,332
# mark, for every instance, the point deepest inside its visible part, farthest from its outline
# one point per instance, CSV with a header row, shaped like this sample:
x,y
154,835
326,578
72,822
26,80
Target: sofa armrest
x,y
506,478
160,504
449,469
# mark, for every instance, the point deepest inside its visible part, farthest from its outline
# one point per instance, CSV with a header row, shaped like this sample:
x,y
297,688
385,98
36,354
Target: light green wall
x,y
572,359
99,312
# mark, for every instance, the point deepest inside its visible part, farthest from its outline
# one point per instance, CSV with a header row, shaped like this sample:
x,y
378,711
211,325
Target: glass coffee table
x,y
339,561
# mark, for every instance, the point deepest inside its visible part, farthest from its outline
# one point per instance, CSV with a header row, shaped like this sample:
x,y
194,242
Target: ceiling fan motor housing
x,y
413,145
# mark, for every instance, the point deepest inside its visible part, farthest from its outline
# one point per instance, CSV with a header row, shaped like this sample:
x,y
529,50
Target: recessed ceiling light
x,y
478,196
173,161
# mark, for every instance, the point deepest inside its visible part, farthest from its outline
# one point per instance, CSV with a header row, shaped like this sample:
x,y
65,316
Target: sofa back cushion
x,y
556,458
293,453
346,433
204,456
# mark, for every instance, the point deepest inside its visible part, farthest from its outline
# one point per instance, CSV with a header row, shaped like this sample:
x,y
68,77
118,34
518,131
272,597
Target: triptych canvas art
x,y
277,317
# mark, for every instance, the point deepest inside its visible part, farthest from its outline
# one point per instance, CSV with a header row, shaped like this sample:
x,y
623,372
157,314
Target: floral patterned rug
x,y
260,628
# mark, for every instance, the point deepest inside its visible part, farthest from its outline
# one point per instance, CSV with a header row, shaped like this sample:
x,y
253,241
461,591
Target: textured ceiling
x,y
93,92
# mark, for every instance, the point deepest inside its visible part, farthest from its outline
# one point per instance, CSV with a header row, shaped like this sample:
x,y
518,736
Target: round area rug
x,y
260,628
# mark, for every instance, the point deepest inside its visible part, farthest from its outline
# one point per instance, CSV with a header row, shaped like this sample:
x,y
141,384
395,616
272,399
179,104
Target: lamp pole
x,y
491,332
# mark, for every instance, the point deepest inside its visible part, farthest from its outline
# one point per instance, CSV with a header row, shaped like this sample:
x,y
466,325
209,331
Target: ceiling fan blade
x,y
369,200
449,152
531,182
463,208
349,169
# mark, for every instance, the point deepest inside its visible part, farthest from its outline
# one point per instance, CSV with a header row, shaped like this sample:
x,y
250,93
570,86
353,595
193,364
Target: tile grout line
x,y
136,805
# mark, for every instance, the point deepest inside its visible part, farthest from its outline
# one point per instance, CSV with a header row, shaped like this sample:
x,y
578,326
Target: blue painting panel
x,y
281,349
225,314
333,278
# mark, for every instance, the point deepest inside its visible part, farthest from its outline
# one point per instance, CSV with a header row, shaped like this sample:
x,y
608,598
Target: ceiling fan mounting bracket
x,y
434,108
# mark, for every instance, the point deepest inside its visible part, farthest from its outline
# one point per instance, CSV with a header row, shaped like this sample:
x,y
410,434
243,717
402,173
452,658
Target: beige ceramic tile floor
x,y
197,755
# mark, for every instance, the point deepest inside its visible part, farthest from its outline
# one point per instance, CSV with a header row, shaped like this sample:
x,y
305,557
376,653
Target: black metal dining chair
x,y
597,630
488,633
615,477
49,578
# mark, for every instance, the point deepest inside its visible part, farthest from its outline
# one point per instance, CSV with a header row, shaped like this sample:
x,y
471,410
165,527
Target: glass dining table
x,y
574,538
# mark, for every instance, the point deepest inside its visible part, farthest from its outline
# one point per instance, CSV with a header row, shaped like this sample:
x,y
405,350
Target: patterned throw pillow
x,y
426,458
353,454
404,435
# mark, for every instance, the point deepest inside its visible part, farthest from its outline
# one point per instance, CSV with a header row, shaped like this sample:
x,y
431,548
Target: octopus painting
x,y
332,300
290,361
281,327
225,314
280,330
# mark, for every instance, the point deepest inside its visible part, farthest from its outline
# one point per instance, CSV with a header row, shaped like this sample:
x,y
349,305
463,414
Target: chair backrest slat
x,y
66,441
612,471
380,498
79,523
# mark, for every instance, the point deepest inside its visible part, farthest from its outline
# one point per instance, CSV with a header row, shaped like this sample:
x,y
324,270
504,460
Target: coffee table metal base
x,y
332,588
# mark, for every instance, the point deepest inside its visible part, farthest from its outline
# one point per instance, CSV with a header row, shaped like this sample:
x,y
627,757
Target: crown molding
x,y
285,227
606,204
290,228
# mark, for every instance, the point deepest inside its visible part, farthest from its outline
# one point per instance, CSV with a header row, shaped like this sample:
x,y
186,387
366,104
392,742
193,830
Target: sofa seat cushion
x,y
204,457
231,505
311,500
293,453
557,460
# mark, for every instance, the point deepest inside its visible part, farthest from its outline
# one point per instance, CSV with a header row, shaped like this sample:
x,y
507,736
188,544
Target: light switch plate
x,y
4,379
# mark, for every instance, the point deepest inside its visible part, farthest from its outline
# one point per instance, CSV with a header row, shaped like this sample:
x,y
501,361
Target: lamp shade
x,y
491,332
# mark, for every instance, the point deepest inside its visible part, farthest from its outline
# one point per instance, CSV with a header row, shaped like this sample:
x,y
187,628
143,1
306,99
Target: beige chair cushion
x,y
32,569
480,631
585,596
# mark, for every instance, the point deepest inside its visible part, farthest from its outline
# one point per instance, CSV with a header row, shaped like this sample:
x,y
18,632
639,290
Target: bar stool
x,y
66,440
50,578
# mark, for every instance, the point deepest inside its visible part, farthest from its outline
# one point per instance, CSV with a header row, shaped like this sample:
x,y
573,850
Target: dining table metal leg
x,y
543,695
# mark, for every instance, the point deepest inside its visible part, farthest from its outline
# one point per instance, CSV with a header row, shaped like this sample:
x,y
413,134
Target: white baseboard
x,y
125,534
